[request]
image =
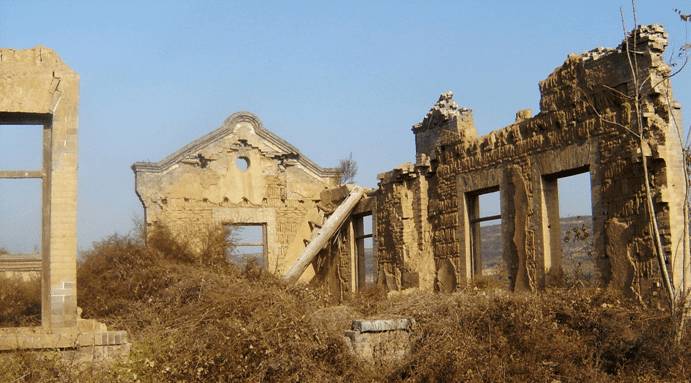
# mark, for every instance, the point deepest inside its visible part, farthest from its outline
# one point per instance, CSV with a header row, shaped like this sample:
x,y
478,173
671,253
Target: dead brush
x,y
20,301
567,336
578,257
206,246
195,319
210,321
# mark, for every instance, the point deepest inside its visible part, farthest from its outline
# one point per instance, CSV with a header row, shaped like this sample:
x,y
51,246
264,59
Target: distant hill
x,y
242,259
576,242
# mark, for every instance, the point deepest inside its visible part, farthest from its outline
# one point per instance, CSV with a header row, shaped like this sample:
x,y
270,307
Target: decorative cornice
x,y
229,125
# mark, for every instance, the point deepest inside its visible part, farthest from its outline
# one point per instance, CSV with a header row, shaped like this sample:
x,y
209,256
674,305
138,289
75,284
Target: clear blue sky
x,y
329,77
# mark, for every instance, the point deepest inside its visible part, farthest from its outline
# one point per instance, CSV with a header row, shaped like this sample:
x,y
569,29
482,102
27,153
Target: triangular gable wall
x,y
229,126
204,183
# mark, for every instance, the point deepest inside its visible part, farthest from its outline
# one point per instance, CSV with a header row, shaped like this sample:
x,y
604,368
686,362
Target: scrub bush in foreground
x,y
203,319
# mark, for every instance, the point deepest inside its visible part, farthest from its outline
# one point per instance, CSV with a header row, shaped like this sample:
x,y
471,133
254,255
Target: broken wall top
x,y
33,80
583,76
447,110
594,85
606,112
444,122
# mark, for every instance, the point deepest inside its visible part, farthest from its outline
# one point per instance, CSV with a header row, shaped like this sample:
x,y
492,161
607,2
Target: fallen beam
x,y
325,233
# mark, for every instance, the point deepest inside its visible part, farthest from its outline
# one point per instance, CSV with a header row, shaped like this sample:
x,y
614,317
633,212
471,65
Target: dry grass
x,y
20,302
576,336
201,319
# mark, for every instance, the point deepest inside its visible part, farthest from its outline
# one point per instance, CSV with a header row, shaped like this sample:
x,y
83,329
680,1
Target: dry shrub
x,y
196,320
370,302
575,336
202,247
204,319
491,282
20,301
121,270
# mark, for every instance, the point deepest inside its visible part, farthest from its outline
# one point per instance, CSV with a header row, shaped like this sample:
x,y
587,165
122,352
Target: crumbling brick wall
x,y
204,184
403,242
587,123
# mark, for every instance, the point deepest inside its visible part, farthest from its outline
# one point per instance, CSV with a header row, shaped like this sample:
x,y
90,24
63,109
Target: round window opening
x,y
243,163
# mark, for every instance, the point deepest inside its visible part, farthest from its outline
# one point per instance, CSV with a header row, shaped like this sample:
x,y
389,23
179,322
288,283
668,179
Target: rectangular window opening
x,y
489,266
24,149
21,147
248,244
21,216
576,229
365,242
20,252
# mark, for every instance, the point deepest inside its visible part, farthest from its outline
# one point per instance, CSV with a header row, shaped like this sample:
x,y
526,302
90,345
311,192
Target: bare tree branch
x,y
348,169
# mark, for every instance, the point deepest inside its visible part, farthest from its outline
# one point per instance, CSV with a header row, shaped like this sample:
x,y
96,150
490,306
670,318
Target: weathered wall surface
x,y
403,233
25,266
240,173
587,123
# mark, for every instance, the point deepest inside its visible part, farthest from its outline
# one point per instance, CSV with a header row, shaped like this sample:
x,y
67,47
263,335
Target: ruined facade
x,y
242,174
239,174
428,213
39,89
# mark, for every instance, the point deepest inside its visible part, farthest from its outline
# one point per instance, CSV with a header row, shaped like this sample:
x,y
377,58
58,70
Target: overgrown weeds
x,y
574,336
193,319
20,301
196,317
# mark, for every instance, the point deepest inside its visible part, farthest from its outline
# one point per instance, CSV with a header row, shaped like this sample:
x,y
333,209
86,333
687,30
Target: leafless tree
x,y
348,169
678,300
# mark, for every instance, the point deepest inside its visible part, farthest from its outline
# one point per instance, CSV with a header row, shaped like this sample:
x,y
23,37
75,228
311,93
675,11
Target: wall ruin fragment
x,y
426,215
241,173
274,185
587,123
39,89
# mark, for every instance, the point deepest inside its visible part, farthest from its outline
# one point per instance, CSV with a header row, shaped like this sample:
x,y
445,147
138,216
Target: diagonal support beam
x,y
327,231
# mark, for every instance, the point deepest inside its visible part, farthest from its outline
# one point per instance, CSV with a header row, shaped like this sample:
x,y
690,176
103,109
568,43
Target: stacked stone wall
x,y
204,184
188,218
587,123
404,248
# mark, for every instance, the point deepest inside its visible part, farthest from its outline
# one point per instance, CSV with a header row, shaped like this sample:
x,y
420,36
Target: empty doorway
x,y
568,228
488,265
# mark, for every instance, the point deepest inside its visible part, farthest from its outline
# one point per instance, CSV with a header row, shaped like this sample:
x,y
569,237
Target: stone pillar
x,y
38,88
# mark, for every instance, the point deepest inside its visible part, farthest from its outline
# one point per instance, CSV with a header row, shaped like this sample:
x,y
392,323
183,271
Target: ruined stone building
x,y
243,175
239,174
426,216
39,90
428,213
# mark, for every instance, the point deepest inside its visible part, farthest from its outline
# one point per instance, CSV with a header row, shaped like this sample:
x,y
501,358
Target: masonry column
x,y
62,254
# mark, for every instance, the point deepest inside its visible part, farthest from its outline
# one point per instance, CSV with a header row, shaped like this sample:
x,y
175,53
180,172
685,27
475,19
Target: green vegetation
x,y
193,317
